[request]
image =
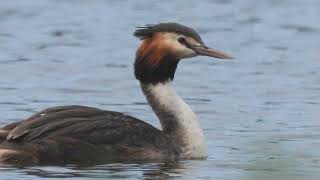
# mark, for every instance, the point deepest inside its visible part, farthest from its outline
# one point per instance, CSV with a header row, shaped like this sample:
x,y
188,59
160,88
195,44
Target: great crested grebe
x,y
79,134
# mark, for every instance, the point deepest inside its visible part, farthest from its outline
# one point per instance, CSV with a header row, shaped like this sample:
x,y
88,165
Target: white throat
x,y
177,119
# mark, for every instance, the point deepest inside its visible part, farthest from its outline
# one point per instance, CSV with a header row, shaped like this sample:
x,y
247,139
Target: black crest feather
x,y
149,30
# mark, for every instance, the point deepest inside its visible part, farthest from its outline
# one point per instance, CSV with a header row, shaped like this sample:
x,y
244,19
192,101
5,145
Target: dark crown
x,y
148,30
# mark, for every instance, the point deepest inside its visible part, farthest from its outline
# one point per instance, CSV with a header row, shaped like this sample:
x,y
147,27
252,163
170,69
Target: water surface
x,y
260,112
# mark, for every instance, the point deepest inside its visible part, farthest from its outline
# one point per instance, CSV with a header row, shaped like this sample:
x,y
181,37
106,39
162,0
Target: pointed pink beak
x,y
205,51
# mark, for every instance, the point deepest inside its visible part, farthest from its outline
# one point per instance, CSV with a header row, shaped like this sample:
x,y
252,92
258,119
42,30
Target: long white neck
x,y
177,119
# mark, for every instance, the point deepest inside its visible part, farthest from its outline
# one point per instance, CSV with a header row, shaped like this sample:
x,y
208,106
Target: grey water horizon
x,y
260,111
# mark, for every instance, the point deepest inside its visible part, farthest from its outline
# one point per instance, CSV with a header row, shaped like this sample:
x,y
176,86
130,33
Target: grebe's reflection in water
x,y
108,171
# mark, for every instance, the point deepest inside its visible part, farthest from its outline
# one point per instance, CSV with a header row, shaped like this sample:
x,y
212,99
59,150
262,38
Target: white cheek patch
x,y
179,50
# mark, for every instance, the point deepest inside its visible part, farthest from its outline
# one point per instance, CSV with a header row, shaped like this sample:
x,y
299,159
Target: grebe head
x,y
163,46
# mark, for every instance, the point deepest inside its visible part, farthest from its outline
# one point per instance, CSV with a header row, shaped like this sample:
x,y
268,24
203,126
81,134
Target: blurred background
x,y
260,111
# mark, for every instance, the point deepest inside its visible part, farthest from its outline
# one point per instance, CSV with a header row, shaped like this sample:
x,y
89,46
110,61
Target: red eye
x,y
182,40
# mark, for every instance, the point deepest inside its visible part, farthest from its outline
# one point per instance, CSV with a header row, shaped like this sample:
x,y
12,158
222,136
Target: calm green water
x,y
260,112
